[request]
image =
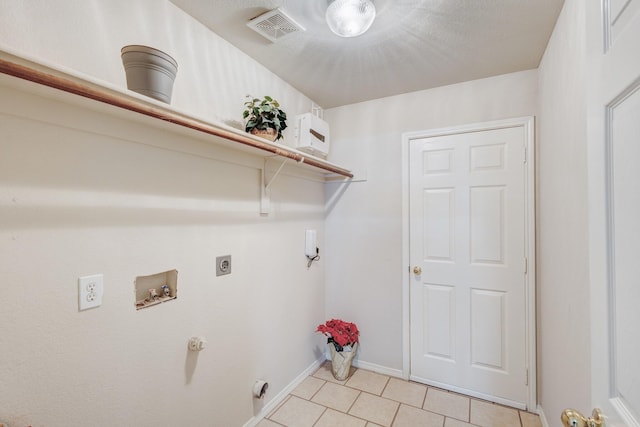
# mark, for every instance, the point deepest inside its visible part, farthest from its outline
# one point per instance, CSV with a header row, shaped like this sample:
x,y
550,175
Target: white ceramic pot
x,y
149,71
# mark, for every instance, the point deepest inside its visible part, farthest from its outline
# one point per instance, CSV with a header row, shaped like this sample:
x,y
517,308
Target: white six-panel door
x,y
614,216
468,250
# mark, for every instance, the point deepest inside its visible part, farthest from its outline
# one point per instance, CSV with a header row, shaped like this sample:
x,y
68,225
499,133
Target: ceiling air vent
x,y
274,25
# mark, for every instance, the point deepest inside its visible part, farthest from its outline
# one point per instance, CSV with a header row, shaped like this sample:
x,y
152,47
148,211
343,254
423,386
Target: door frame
x,y
528,125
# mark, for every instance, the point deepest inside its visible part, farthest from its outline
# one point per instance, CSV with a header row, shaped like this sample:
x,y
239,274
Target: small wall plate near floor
x,y
90,289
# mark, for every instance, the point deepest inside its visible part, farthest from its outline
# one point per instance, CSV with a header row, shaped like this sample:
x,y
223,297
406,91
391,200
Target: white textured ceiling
x,y
412,44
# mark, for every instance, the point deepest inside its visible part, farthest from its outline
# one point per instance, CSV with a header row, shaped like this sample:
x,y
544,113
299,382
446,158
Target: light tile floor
x,y
368,399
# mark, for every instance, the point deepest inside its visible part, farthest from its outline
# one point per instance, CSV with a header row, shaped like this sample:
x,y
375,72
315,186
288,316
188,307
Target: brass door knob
x,y
417,270
572,418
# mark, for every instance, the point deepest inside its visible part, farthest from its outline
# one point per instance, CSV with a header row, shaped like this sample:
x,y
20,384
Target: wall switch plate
x,y
223,265
90,290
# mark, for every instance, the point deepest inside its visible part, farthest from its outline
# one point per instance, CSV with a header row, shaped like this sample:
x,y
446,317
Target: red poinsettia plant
x,y
340,333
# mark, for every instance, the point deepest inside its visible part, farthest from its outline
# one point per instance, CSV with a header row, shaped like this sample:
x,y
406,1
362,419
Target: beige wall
x,y
364,229
563,268
83,192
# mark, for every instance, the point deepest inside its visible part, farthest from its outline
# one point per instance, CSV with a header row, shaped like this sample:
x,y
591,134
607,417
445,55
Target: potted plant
x,y
342,338
149,71
264,118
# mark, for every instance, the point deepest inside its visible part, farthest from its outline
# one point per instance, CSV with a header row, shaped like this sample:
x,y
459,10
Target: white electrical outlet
x,y
90,289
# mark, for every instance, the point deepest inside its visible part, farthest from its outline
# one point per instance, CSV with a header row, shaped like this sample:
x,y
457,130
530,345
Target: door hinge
x,y
526,376
524,154
526,265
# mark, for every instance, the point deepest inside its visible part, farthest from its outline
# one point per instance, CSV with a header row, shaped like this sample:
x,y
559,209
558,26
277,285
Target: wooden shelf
x,y
65,81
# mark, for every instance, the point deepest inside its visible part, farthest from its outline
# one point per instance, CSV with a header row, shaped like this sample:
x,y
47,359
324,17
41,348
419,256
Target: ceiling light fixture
x,y
350,18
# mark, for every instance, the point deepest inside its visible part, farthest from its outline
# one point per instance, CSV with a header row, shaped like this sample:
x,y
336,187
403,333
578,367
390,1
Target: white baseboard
x,y
373,367
276,400
543,419
378,369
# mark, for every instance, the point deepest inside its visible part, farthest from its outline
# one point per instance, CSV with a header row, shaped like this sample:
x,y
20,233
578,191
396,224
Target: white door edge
x,y
527,123
614,74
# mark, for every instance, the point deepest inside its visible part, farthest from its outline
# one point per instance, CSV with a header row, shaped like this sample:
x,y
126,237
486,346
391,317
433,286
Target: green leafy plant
x,y
263,114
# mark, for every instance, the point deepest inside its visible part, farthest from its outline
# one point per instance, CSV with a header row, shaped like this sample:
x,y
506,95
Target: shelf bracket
x,y
265,191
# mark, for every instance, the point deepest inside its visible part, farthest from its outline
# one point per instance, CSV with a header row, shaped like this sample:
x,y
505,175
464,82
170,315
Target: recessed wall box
x,y
312,135
156,288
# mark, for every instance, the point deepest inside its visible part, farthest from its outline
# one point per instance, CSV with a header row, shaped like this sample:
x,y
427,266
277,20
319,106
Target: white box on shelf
x,y
312,135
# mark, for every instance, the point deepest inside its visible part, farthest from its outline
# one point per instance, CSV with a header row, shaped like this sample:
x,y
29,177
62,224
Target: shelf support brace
x,y
265,191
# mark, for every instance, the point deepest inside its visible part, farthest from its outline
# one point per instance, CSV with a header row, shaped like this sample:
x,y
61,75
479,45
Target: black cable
x,y
314,258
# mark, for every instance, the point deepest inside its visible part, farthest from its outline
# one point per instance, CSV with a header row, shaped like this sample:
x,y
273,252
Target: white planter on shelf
x,y
149,71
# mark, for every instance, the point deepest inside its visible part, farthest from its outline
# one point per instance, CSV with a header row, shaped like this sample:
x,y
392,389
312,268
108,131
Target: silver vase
x,y
341,361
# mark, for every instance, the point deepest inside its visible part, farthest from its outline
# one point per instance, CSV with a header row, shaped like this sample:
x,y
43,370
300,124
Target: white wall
x,y
86,36
74,201
563,268
82,192
364,229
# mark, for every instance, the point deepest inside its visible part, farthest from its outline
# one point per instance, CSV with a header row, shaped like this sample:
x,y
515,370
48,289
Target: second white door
x,y
467,202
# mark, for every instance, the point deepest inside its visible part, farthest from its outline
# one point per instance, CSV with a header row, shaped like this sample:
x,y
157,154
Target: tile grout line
x,y
424,400
400,403
393,420
360,392
385,386
325,382
366,421
317,391
354,402
280,405
320,417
